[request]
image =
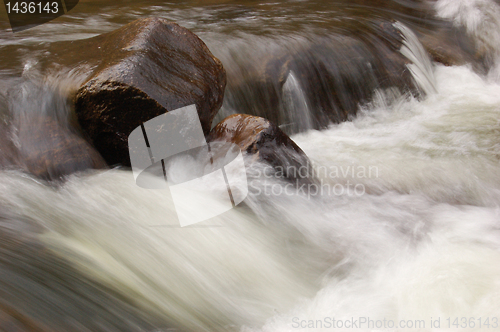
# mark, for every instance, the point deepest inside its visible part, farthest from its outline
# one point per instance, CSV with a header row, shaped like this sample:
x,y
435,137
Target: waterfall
x,y
295,105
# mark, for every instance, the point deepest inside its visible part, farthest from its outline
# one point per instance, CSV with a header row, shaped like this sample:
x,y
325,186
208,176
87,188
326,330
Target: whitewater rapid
x,y
422,242
419,244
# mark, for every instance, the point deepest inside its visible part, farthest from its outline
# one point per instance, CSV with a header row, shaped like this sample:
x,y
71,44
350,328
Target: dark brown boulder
x,y
142,70
265,142
51,151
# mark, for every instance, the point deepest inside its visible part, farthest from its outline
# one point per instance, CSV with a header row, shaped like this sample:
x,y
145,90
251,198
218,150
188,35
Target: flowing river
x,y
404,231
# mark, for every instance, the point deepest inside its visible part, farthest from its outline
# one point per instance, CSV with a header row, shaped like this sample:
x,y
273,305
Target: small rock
x,y
265,142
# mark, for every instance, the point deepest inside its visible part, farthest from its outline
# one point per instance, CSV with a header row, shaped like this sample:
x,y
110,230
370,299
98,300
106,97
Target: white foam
x,y
481,20
422,242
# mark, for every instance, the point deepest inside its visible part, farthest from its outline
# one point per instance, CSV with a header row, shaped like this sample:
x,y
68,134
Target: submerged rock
x,y
8,153
264,141
451,46
138,72
311,83
51,151
46,149
7,150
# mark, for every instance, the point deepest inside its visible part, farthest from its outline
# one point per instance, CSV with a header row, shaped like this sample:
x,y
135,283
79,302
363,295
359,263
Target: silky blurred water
x,y
418,240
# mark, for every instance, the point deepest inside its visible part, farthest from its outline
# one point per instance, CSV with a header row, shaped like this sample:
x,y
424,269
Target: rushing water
x,y
406,226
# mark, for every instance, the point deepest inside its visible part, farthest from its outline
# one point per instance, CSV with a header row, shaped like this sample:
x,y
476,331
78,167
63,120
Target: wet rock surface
x,y
263,141
8,153
51,151
451,46
137,72
46,149
311,84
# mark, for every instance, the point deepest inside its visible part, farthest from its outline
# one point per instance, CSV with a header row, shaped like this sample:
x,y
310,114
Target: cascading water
x,y
403,226
420,67
295,104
